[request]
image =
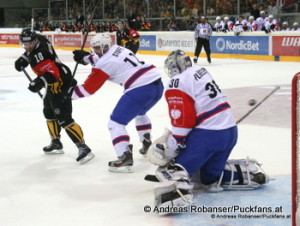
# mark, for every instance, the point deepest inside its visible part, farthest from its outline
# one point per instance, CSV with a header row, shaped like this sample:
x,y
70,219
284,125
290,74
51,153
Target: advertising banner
x,y
249,45
8,39
66,40
173,42
148,42
286,45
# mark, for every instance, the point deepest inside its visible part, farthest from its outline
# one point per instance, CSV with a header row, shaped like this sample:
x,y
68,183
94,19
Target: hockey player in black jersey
x,y
128,38
57,79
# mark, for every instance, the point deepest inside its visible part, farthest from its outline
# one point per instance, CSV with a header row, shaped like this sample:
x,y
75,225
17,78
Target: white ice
x,y
38,189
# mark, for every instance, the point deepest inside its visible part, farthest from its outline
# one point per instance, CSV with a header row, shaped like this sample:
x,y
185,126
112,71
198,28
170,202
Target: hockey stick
x,y
85,36
257,105
30,79
153,178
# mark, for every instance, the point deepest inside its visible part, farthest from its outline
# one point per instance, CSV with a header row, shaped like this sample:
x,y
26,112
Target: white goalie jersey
x,y
195,101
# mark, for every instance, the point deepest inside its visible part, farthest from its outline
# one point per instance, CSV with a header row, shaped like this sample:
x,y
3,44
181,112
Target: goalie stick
x,y
153,178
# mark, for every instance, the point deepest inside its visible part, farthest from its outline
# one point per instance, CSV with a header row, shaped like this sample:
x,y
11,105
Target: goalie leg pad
x,y
177,173
175,189
168,197
244,174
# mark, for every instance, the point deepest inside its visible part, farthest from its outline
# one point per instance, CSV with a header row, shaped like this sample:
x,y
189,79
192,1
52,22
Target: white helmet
x,y
177,62
285,23
101,40
226,18
218,18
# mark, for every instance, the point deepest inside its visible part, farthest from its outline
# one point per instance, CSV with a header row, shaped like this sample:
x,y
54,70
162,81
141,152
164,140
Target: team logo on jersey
x,y
57,111
175,114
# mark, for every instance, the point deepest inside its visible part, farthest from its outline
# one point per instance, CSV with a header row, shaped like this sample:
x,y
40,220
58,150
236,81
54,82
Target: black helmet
x,y
27,35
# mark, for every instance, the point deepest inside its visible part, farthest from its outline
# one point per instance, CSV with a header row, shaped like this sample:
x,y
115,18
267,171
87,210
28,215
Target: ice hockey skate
x,y
124,163
55,147
146,144
209,60
84,154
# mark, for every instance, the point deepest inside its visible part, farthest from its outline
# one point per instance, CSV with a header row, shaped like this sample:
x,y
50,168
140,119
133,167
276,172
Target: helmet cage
x,y
177,62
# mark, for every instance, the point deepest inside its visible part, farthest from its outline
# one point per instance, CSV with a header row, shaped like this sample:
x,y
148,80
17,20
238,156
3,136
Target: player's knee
x,y
64,121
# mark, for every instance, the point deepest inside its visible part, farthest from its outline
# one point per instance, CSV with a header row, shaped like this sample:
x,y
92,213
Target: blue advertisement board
x,y
148,42
258,45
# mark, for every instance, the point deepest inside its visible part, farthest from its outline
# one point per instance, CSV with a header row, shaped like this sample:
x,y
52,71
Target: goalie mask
x,y
177,62
101,43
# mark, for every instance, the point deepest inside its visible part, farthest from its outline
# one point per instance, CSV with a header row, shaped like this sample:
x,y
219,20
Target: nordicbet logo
x,y
145,43
222,45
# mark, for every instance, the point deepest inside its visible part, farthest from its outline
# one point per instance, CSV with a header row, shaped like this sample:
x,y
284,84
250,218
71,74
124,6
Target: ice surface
x,y
38,189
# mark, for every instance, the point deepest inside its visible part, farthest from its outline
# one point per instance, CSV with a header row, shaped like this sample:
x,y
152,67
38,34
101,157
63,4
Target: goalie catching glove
x,y
79,55
164,149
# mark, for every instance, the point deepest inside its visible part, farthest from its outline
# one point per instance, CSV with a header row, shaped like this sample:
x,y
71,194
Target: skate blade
x,y
54,152
122,169
87,158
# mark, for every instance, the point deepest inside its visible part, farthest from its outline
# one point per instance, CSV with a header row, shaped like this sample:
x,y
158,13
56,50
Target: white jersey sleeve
x,y
125,69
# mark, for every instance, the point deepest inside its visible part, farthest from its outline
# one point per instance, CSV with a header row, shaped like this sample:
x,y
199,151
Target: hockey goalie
x,y
202,136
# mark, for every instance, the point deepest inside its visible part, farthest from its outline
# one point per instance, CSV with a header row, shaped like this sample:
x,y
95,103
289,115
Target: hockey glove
x,y
71,89
21,63
37,84
164,149
79,55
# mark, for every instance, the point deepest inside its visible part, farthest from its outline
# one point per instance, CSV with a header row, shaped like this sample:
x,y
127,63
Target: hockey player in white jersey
x,y
142,90
228,24
201,139
219,25
260,21
251,24
285,26
240,25
271,24
295,27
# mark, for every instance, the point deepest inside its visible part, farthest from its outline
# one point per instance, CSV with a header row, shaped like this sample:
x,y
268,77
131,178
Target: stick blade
x,y
151,178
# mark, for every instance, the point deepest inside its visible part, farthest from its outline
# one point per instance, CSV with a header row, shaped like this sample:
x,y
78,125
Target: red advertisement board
x,y
67,40
286,45
7,39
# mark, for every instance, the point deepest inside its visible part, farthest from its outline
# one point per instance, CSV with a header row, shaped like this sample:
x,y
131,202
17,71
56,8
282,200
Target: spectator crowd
x,y
110,11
